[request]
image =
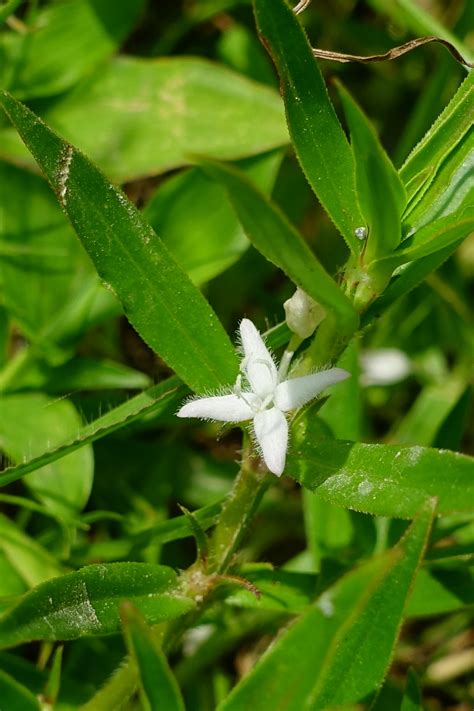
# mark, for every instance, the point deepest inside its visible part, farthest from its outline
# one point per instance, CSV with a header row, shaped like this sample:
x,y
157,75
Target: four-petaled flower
x,y
268,396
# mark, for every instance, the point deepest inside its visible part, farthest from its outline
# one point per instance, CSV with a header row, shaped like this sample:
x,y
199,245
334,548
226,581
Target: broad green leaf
x,y
140,117
38,247
424,161
65,42
193,217
380,192
343,643
15,696
27,423
379,479
157,682
274,236
157,399
160,301
87,602
29,559
316,133
440,590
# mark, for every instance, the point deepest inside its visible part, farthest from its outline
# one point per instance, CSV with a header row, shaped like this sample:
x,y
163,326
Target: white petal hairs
x,y
266,397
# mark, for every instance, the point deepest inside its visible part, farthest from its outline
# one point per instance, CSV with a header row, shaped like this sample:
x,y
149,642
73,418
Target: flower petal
x,y
295,392
271,431
224,408
258,363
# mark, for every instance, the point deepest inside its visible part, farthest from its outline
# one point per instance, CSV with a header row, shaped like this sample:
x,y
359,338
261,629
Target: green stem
x,y
199,580
237,513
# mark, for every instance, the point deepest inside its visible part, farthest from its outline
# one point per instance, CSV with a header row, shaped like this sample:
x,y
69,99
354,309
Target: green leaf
x,y
160,301
430,409
27,423
451,188
16,696
344,642
361,652
79,373
438,591
39,247
407,279
87,602
443,233
380,192
412,696
67,40
192,105
328,527
424,161
193,217
384,480
316,133
29,559
276,238
157,399
157,682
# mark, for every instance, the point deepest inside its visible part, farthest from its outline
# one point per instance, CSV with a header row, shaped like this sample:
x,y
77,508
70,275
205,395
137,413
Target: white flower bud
x,y
384,366
303,313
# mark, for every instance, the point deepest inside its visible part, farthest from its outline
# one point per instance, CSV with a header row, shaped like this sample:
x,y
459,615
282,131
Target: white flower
x,y
266,399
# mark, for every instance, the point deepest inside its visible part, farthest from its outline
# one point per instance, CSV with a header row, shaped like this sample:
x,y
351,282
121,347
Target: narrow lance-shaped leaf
x,y
449,128
344,642
384,480
361,651
380,191
412,275
167,310
275,237
439,235
157,399
316,133
157,682
87,602
451,188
